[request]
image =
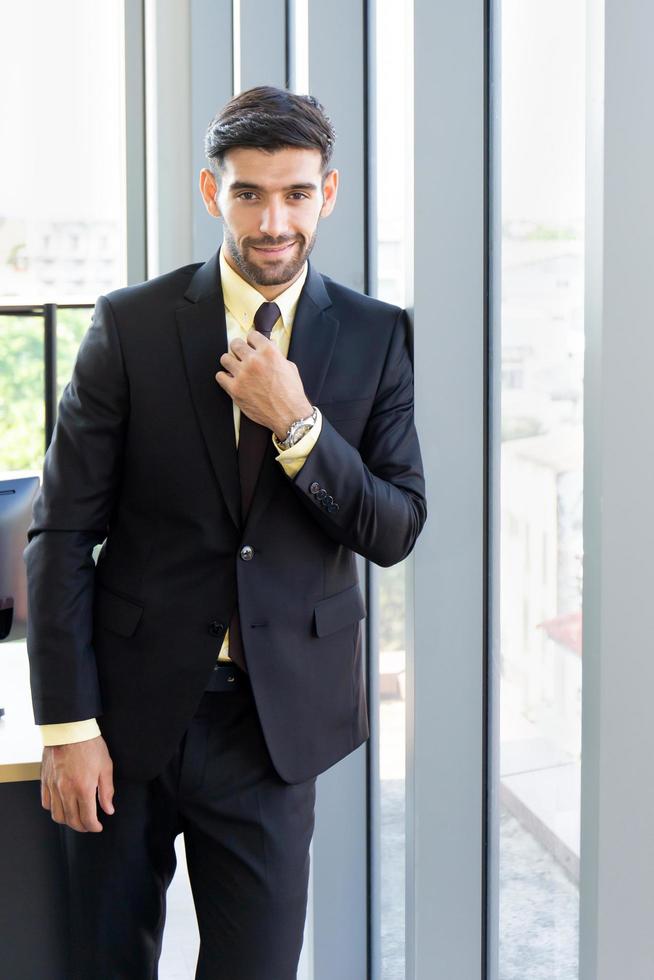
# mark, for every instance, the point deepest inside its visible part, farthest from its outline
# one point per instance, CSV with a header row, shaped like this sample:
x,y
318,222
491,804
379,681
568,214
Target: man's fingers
x,y
256,339
106,790
239,348
78,814
46,775
88,814
71,812
230,362
57,807
225,381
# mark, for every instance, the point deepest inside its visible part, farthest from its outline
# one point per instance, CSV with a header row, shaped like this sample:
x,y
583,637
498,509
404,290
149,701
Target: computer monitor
x,y
17,495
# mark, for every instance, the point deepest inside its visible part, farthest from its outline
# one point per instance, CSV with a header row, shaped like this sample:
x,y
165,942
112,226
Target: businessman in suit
x,y
233,433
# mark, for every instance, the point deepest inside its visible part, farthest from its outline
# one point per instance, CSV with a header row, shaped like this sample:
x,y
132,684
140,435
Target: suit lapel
x,y
313,339
314,335
203,335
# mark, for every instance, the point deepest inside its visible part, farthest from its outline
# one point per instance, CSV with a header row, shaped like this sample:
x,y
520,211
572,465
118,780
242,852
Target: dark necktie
x,y
253,441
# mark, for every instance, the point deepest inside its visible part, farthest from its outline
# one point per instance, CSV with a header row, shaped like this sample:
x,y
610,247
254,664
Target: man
x,y
200,676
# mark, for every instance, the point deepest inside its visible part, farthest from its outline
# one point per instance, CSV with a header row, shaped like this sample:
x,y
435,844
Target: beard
x,y
275,273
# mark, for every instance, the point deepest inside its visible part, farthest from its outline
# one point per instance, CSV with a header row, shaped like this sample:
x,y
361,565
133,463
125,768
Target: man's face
x,y
270,204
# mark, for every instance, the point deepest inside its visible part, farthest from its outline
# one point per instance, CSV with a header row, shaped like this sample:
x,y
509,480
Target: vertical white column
x,y
262,43
168,134
211,87
446,667
617,807
298,46
337,66
135,196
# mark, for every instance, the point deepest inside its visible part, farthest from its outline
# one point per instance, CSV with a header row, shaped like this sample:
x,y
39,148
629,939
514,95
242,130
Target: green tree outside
x,y
22,412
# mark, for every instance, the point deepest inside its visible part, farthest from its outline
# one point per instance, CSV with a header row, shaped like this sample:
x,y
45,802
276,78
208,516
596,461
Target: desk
x,y
33,927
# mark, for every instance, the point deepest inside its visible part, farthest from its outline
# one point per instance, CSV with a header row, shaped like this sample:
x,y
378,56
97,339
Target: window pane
x,y
541,119
71,327
22,408
62,213
22,404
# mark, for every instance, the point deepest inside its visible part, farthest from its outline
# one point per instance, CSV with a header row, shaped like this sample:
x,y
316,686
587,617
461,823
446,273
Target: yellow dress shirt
x,y
241,303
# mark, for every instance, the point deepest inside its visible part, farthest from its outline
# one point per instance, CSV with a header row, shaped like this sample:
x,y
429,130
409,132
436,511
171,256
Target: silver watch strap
x,y
297,429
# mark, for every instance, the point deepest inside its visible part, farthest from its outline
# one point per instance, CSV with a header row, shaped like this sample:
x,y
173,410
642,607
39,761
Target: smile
x,y
274,251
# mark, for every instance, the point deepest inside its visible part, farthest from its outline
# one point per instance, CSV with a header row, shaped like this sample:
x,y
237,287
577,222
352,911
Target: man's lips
x,y
273,250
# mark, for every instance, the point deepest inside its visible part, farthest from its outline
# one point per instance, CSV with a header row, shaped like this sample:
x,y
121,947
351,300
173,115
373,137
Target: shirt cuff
x,y
224,656
294,458
69,731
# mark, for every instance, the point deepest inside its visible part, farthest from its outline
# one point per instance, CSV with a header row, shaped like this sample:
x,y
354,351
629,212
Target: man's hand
x,y
263,383
70,776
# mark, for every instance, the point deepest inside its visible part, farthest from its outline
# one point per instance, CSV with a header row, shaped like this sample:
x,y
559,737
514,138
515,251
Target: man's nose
x,y
274,220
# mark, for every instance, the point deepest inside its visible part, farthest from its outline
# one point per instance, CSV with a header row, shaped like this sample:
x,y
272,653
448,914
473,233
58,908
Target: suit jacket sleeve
x,y
378,490
81,473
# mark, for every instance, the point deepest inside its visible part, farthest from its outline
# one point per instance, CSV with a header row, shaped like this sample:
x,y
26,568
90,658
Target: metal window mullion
x,y
491,884
374,802
374,775
50,368
211,87
446,669
617,792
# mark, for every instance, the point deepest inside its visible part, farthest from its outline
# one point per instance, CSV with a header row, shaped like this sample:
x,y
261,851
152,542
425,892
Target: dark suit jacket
x,y
143,458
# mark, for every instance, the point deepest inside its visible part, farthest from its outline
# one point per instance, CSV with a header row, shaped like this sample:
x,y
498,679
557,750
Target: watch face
x,y
297,435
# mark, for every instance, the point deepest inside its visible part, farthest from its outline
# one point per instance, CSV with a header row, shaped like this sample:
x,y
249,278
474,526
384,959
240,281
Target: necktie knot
x,y
266,317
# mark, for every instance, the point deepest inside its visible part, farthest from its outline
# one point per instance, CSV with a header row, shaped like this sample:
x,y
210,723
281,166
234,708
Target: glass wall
x,y
62,227
541,121
62,196
62,186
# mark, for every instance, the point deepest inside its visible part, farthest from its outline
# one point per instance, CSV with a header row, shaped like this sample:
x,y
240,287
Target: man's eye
x,y
247,195
299,196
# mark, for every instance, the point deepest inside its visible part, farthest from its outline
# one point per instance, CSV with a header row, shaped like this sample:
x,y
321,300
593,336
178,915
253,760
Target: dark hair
x,y
269,118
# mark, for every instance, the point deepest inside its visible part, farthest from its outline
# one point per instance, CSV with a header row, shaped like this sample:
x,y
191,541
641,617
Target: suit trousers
x,y
246,834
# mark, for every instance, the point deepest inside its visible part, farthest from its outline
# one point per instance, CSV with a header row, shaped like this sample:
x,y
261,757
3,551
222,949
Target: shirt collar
x,y
243,300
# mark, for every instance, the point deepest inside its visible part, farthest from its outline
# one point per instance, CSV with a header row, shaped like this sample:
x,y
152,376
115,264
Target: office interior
x,y
495,161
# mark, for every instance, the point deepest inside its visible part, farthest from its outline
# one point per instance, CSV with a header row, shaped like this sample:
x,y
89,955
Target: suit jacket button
x,y
247,552
321,494
327,501
332,508
216,628
314,488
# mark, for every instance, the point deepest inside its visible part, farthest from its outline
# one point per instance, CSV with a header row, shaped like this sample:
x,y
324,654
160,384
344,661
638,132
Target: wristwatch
x,y
297,429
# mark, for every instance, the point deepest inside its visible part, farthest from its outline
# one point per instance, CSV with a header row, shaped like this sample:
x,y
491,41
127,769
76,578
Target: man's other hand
x,y
70,776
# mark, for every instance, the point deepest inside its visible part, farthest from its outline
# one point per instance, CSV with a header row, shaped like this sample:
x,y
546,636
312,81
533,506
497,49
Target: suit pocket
x,y
116,613
337,611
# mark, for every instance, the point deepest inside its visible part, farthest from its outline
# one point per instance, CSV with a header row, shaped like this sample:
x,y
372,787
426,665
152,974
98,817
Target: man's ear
x,y
209,191
329,192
